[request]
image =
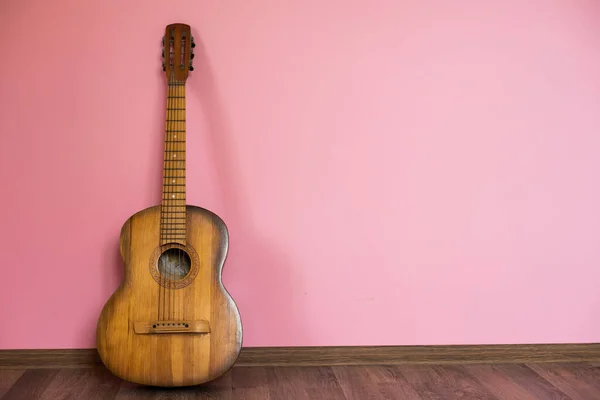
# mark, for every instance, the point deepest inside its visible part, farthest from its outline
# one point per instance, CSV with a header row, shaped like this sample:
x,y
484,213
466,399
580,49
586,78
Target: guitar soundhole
x,y
174,264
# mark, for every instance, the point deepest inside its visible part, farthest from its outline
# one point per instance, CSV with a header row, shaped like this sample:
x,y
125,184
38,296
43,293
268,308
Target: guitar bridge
x,y
155,327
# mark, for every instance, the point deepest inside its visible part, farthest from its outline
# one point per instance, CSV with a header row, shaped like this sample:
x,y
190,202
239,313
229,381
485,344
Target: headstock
x,y
178,51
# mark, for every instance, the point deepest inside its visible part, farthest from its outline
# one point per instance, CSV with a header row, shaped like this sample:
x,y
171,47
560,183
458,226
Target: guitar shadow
x,y
258,277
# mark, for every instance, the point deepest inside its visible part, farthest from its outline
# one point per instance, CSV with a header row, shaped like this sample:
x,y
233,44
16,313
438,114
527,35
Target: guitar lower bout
x,y
171,322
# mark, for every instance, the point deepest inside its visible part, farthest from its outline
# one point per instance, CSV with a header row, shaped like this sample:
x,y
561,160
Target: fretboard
x,y
173,215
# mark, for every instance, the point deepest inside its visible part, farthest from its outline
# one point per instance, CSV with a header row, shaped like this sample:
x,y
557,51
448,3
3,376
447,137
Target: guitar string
x,y
164,235
170,234
176,228
178,294
172,226
165,200
162,214
181,127
163,210
169,200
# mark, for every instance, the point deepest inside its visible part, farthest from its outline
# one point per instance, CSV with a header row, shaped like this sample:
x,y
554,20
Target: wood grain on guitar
x,y
171,322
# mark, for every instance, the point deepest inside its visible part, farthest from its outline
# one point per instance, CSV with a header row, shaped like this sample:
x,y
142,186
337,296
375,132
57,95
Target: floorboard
x,y
576,381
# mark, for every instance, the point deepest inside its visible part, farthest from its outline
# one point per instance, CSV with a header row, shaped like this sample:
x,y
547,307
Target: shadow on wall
x,y
259,278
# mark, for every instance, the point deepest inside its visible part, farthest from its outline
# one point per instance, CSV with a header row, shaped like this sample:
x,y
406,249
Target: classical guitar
x,y
171,322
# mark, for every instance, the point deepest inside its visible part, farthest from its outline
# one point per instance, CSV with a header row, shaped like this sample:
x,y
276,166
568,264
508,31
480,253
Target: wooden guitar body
x,y
177,357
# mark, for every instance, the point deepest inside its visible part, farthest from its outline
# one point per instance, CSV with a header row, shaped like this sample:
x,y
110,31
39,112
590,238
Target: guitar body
x,y
142,335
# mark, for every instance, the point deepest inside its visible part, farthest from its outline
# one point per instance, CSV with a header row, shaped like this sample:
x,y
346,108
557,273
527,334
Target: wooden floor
x,y
477,381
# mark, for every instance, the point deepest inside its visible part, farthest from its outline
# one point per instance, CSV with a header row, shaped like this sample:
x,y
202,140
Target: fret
x,y
175,109
175,120
170,131
175,97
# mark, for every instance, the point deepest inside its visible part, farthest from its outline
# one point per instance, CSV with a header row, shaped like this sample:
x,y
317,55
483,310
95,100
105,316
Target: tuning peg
x,y
164,68
191,67
192,55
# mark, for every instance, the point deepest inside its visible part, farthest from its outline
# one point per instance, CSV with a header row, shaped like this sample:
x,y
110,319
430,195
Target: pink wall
x,y
391,172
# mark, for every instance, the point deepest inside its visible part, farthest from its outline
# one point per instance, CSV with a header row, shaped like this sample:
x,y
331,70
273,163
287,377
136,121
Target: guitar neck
x,y
173,207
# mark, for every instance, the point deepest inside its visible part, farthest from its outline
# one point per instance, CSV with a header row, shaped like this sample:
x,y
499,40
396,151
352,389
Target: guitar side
x,y
130,344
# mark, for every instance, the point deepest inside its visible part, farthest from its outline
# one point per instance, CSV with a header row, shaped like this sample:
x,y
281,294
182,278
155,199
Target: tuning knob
x,y
191,67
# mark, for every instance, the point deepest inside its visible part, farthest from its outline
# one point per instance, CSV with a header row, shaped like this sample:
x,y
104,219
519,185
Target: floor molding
x,y
339,355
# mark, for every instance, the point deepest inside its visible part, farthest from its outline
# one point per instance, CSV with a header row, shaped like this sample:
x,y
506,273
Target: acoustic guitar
x,y
171,322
